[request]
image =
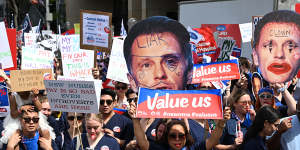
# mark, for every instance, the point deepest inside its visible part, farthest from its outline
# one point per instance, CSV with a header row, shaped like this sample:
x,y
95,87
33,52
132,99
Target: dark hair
x,y
189,138
128,92
123,84
23,111
244,62
280,16
265,113
159,24
110,92
237,95
160,122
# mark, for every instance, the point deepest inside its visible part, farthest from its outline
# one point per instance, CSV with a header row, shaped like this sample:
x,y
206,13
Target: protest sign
x,y
228,31
69,43
30,39
33,58
95,30
226,70
226,46
78,64
25,80
12,39
196,104
77,28
4,103
72,96
246,31
255,20
47,42
117,68
5,52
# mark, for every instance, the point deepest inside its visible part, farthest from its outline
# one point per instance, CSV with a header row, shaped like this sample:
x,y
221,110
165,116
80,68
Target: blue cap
x,y
265,89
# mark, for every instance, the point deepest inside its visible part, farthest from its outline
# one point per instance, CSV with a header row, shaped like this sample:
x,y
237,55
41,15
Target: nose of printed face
x,y
160,72
278,52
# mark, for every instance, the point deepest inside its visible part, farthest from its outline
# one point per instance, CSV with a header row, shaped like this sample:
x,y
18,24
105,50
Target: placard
x,y
246,32
195,104
72,96
25,80
12,39
30,39
117,68
5,53
69,43
95,30
78,64
4,102
226,70
33,58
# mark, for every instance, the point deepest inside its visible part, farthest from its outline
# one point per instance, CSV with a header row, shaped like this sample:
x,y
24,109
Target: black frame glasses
x,y
132,99
174,136
108,102
28,120
265,96
71,118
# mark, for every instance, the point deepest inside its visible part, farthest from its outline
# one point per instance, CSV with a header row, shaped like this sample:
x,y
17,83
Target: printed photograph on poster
x,y
276,48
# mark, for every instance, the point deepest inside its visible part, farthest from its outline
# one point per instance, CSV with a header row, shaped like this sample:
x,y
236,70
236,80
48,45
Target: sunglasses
x,y
73,117
245,102
174,136
265,96
121,88
108,102
132,99
28,120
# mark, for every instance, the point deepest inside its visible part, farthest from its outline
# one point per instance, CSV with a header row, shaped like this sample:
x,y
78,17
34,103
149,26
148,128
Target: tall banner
x,y
5,52
195,104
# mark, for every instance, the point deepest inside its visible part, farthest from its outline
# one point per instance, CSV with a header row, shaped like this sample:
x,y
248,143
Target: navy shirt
x,y
196,146
121,126
150,132
229,132
106,143
21,146
257,143
197,131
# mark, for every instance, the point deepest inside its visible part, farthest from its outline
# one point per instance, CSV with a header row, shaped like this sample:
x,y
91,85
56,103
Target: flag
x,y
123,30
26,25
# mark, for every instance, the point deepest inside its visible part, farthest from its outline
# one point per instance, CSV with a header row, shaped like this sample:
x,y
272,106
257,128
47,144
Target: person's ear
x,y
255,57
132,82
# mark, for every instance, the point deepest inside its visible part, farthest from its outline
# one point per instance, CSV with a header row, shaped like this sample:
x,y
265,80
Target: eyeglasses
x,y
132,99
108,102
245,102
71,118
174,136
121,88
265,96
28,120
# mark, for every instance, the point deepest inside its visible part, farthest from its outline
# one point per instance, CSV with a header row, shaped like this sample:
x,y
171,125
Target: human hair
x,y
159,24
128,92
265,113
265,89
189,138
237,95
244,62
280,16
43,99
160,122
32,108
92,116
110,92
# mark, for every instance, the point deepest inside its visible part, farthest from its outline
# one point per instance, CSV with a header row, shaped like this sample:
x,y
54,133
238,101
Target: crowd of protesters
x,y
254,116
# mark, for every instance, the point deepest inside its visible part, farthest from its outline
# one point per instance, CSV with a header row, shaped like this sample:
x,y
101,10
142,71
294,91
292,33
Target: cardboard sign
x,y
72,96
5,52
196,104
117,68
33,58
78,64
95,30
4,103
12,39
69,43
25,80
226,70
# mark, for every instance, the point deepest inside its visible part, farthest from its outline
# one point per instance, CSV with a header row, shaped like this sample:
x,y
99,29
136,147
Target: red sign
x,y
195,104
12,39
226,70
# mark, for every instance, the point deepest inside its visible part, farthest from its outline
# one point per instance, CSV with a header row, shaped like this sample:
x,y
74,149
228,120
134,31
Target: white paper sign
x,y
78,64
246,31
30,39
5,54
95,30
117,69
69,43
33,58
72,96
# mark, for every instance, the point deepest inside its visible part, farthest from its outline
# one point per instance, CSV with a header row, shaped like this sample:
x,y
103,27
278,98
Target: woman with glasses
x,y
266,122
95,138
242,115
75,126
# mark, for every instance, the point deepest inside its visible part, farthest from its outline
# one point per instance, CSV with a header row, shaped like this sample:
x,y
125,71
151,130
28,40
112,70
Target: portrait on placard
x,y
158,54
276,46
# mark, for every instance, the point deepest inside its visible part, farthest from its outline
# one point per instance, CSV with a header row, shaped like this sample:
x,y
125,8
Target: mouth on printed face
x,y
279,68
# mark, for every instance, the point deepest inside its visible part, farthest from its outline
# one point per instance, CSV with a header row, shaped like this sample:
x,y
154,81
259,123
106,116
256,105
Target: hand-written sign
x,y
117,69
69,43
25,80
5,53
226,70
33,58
30,39
226,46
78,64
197,104
72,96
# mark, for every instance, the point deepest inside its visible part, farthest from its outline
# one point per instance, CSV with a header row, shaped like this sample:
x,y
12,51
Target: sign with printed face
x,y
73,96
196,104
25,80
95,30
226,70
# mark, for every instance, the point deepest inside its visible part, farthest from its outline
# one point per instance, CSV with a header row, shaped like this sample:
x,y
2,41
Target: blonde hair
x,y
92,116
